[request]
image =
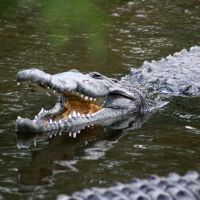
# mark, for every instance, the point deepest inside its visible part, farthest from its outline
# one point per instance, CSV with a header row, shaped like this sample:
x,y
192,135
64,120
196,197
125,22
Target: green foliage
x,y
8,7
66,18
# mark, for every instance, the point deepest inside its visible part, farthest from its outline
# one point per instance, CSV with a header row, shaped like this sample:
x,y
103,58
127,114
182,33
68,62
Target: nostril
x,y
96,75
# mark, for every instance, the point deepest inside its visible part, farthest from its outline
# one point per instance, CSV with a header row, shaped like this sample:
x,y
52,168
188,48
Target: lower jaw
x,y
69,124
73,125
27,125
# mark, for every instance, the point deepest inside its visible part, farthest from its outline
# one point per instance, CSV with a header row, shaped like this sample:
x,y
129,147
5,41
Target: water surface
x,y
40,168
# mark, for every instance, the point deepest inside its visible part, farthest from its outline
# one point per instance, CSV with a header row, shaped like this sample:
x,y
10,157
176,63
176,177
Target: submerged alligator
x,y
172,187
87,99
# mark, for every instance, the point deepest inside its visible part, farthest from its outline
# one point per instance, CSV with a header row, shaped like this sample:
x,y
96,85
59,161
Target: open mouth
x,y
83,100
72,105
69,107
78,105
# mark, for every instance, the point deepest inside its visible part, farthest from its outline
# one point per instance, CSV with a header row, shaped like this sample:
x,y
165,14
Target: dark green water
x,y
38,168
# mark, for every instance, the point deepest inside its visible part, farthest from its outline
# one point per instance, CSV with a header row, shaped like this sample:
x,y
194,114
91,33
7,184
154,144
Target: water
x,y
38,168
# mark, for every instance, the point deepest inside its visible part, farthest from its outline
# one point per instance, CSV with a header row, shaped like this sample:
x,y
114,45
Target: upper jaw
x,y
73,124
65,82
71,81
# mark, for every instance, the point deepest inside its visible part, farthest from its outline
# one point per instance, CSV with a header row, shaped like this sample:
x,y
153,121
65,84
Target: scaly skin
x,y
172,187
135,93
174,75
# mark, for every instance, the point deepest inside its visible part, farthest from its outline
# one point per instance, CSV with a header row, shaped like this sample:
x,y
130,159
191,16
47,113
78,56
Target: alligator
x,y
172,187
88,99
83,100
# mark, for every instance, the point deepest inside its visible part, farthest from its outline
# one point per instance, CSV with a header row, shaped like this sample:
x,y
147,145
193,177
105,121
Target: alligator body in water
x,y
172,187
174,75
87,99
93,98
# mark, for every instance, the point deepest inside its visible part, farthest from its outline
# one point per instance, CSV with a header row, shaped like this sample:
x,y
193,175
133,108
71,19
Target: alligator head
x,y
83,99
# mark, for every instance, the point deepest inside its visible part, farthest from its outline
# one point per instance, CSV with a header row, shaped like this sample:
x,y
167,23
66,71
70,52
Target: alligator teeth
x,y
74,134
79,114
70,116
169,57
18,117
74,114
189,127
84,96
88,115
70,134
60,121
41,111
34,142
50,121
18,83
60,133
82,115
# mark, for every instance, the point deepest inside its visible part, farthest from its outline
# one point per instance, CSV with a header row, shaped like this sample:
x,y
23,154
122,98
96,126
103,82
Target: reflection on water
x,y
65,154
135,31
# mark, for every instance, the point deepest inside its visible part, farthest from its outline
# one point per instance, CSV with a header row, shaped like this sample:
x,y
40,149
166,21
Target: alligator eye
x,y
96,75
